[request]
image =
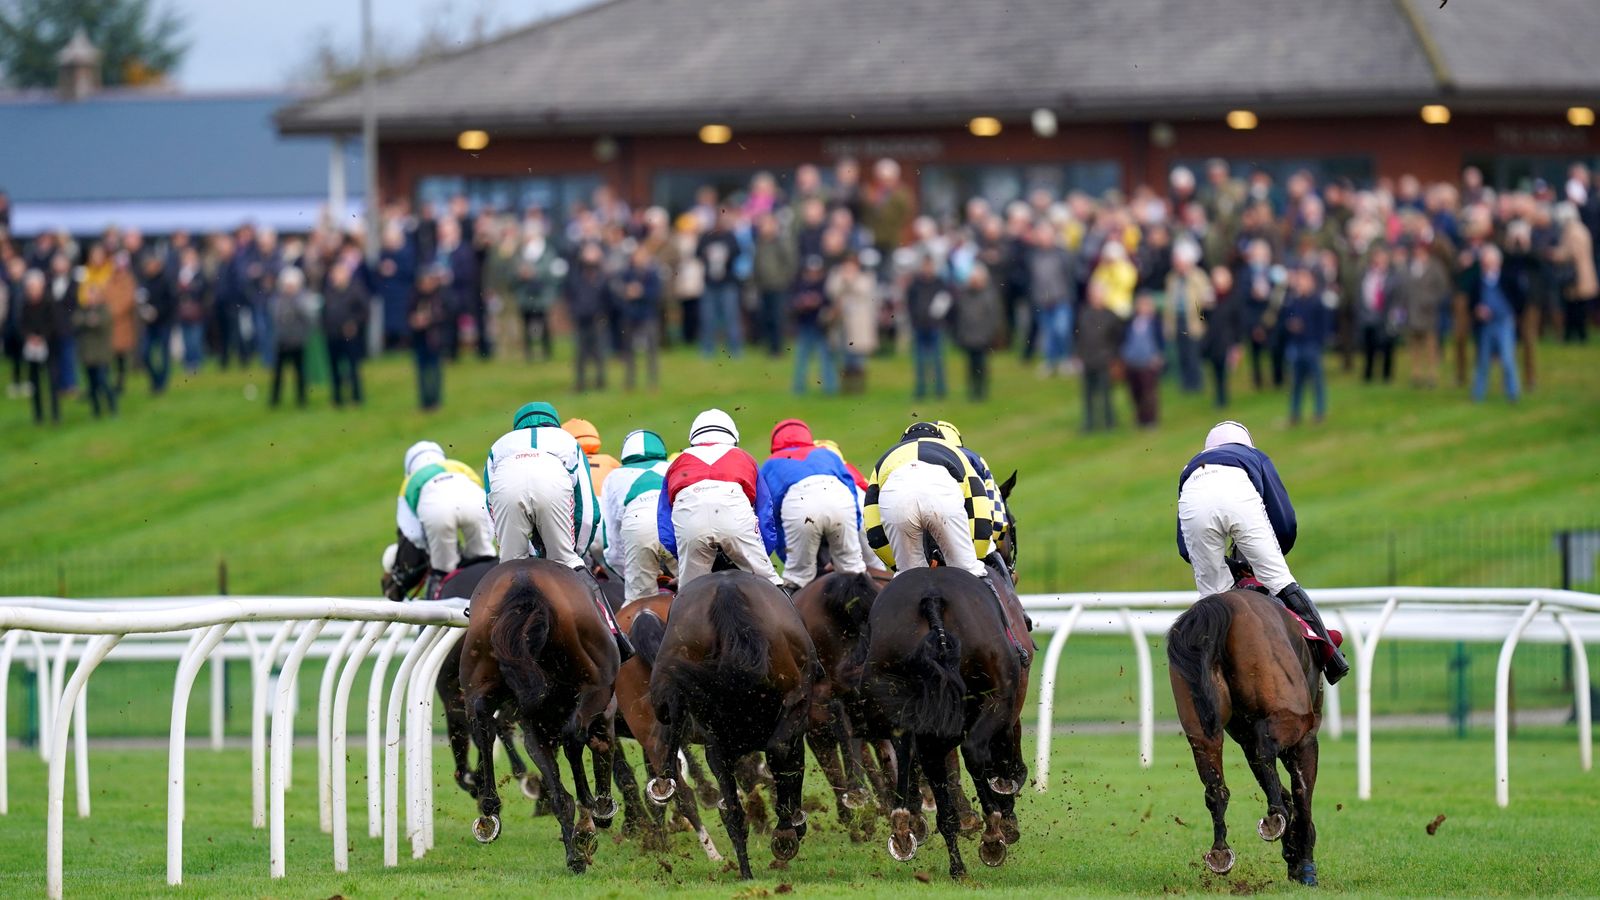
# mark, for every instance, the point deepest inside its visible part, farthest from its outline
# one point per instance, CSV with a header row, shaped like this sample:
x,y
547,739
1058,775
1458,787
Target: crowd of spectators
x,y
1206,276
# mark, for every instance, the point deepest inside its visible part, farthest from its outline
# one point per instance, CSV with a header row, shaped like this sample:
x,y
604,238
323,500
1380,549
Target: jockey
x,y
874,564
927,487
713,490
1232,490
981,466
600,464
440,510
539,490
810,499
628,510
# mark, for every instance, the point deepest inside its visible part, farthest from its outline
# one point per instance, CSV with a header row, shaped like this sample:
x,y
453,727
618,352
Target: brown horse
x,y
1239,664
940,674
736,664
645,620
536,643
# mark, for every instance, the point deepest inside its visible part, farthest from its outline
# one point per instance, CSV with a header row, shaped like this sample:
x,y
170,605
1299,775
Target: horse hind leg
x,y
543,755
1301,761
1261,752
1207,752
733,817
583,832
947,819
788,764
902,836
635,820
827,752
480,717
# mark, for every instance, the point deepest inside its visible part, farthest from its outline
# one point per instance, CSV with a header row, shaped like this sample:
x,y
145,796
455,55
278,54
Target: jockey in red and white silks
x,y
709,504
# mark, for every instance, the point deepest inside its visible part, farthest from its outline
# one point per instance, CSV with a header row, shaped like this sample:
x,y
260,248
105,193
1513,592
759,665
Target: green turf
x,y
1399,485
1108,827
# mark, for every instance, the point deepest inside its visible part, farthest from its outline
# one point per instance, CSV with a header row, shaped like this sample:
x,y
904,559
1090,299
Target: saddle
x,y
1247,581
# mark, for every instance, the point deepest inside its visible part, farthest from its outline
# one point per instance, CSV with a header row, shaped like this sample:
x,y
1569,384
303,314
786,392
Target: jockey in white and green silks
x,y
537,479
440,510
628,510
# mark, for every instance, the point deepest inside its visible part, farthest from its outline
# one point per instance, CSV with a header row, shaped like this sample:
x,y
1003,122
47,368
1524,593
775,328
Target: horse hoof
x,y
1003,786
585,842
486,829
1308,875
903,847
919,829
1220,861
929,804
855,798
785,844
993,853
799,823
970,824
531,788
1008,831
605,809
1272,827
660,790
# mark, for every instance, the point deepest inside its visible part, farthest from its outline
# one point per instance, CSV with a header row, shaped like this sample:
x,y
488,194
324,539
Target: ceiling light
x,y
1241,120
1580,116
984,126
1436,114
715,134
472,140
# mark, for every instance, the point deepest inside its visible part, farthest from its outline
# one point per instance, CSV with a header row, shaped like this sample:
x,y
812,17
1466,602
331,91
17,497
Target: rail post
x,y
1502,707
99,647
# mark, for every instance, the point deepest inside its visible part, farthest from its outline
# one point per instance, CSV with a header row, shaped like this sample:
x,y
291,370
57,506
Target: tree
x,y
139,41
446,26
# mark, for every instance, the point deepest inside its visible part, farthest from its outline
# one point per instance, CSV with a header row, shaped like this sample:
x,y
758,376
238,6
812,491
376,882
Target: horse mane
x,y
518,636
1195,647
646,634
740,647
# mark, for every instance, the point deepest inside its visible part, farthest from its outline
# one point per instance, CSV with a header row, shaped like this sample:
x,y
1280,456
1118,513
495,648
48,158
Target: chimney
x,y
78,67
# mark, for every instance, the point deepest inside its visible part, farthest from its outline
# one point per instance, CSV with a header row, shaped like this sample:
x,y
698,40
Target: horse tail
x,y
646,634
520,631
1195,646
939,693
848,598
740,649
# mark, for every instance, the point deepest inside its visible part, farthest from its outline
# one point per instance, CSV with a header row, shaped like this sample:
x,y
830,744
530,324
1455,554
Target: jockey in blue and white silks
x,y
810,500
1232,491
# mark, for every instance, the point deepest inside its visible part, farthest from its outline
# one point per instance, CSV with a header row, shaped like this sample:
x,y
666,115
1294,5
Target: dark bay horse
x,y
736,663
645,620
536,643
1239,664
940,674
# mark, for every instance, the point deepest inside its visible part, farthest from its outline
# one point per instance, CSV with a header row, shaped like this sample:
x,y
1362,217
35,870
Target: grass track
x,y
1107,828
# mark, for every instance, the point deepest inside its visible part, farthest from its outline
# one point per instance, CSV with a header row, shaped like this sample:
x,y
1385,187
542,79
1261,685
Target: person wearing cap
x,y
927,487
600,464
810,500
1231,491
542,500
628,513
712,492
441,510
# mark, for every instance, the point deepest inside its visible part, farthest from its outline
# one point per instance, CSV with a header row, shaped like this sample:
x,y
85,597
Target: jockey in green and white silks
x,y
628,510
440,509
537,479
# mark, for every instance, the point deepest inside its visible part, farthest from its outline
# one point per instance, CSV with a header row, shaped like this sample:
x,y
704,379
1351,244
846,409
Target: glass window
x,y
946,188
1519,172
558,195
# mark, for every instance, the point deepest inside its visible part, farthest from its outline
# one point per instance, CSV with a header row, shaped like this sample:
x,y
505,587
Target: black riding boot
x,y
1294,597
624,646
1024,656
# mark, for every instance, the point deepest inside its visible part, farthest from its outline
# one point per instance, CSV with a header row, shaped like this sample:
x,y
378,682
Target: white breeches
x,y
530,495
643,557
454,522
713,515
920,499
817,509
1218,503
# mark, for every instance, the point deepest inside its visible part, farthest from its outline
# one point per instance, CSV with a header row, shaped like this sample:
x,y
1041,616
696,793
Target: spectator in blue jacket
x,y
639,295
808,500
1494,313
1306,322
1230,491
397,280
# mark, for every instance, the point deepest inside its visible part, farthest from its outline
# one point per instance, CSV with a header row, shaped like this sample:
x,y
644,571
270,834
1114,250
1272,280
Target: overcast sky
x,y
249,44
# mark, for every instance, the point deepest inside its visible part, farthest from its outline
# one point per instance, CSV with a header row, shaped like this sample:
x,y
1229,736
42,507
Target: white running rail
x,y
415,638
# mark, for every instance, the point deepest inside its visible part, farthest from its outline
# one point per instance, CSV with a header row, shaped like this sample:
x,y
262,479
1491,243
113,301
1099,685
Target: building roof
x,y
669,65
159,160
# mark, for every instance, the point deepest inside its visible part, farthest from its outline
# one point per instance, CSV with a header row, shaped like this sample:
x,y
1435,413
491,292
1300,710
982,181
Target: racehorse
x,y
459,585
536,641
937,673
645,621
1239,663
737,664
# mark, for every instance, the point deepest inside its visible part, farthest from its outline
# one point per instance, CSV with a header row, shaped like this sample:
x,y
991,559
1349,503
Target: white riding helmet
x,y
422,453
1229,432
389,554
713,427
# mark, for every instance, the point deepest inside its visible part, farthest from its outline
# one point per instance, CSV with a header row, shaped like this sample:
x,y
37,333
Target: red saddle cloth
x,y
1318,646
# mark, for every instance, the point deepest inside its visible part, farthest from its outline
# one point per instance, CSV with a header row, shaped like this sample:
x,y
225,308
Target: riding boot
x,y
430,591
624,646
1294,597
1023,655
